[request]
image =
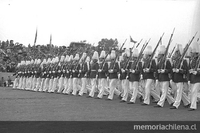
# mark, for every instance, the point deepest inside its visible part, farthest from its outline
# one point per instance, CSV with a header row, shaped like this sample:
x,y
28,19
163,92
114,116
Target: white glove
x,y
99,70
133,71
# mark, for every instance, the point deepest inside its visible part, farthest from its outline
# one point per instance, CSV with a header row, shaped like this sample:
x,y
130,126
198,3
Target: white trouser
x,y
75,86
46,84
125,87
50,87
102,87
164,89
194,93
83,86
70,86
38,82
33,83
93,89
29,83
42,84
113,90
149,90
60,84
65,85
134,85
20,82
55,82
16,83
23,83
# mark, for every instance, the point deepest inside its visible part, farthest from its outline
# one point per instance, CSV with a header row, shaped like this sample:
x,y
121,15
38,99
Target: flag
x,y
131,40
35,37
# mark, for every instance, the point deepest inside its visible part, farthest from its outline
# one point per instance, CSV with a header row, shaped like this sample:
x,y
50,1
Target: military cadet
x,y
47,73
61,75
75,71
84,68
38,75
17,76
55,74
27,75
43,73
194,75
94,74
148,76
164,68
113,76
135,70
51,75
33,82
69,71
66,73
179,77
102,77
123,75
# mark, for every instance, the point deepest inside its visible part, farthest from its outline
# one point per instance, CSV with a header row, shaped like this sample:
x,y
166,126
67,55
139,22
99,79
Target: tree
x,y
107,44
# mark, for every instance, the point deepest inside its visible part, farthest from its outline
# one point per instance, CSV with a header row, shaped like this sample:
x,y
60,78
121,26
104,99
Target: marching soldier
x,y
51,75
38,75
163,70
17,76
94,73
84,68
43,74
69,72
47,73
61,75
113,76
179,78
134,75
194,75
75,71
148,76
123,75
55,74
66,73
102,77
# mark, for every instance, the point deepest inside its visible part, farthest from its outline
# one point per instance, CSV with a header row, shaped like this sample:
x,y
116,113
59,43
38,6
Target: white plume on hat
x,y
70,58
103,54
188,53
44,61
48,60
148,50
95,55
135,52
121,58
195,47
66,58
76,57
35,62
127,52
38,61
112,55
108,57
87,59
32,61
83,56
62,58
179,47
162,49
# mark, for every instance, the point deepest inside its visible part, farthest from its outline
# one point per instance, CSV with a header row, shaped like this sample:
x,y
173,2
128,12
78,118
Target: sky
x,y
92,20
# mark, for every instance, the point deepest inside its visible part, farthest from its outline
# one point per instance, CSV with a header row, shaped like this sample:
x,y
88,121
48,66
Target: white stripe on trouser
x,y
75,85
50,85
194,93
83,86
125,87
55,81
16,83
112,86
46,84
38,82
65,85
70,86
164,88
134,85
93,89
102,87
42,84
60,84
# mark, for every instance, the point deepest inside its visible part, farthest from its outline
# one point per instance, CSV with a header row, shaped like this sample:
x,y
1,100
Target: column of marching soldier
x,y
133,75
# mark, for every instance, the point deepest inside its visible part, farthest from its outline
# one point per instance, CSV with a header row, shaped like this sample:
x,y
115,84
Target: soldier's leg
x,y
93,84
125,86
194,92
148,83
178,94
83,86
112,87
70,86
135,91
60,84
46,85
75,82
65,85
165,86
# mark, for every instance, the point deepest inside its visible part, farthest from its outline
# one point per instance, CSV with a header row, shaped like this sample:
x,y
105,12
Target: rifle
x,y
170,55
162,62
184,52
139,43
154,51
117,56
135,64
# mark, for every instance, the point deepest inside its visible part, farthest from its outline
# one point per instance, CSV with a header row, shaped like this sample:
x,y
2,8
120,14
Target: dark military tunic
x,y
151,67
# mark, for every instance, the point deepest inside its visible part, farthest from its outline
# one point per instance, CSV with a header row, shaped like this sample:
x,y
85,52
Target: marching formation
x,y
145,74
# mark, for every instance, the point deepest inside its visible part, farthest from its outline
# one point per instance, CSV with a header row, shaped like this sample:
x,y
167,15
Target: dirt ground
x,y
22,105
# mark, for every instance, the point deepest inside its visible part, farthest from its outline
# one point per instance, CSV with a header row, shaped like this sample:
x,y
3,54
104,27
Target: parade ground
x,y
22,105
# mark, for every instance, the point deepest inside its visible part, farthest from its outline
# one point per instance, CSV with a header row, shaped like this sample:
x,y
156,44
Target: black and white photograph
x,y
95,66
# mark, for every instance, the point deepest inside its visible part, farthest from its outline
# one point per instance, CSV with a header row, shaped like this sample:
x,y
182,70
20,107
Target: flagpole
x,y
34,49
